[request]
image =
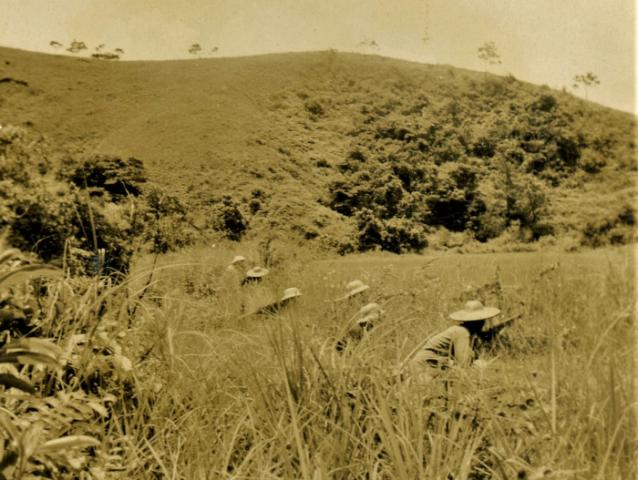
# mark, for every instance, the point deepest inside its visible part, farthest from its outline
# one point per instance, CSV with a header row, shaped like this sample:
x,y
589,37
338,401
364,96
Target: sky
x,y
541,41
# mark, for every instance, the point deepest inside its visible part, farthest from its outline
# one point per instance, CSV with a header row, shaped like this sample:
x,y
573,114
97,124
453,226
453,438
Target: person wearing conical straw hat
x,y
367,318
456,344
353,289
289,295
235,272
254,275
237,262
237,268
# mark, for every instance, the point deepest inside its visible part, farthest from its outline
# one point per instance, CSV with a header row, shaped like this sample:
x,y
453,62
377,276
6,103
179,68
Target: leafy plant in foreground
x,y
68,370
29,440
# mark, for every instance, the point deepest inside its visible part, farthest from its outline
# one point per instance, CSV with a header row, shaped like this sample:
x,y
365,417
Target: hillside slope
x,y
276,132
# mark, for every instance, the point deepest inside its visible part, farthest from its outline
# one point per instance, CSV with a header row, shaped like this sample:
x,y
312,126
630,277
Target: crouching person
x,y
368,317
457,344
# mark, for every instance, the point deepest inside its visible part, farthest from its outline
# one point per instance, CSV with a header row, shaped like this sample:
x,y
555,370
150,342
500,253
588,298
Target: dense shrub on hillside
x,y
482,163
22,156
44,219
615,230
506,197
315,108
455,195
228,219
165,224
47,215
107,174
93,206
397,235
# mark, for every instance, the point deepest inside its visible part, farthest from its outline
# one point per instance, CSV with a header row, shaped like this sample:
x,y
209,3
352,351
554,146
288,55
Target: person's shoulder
x,y
458,331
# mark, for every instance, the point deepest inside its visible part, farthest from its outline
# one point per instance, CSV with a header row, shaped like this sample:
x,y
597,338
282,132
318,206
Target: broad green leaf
x,y
28,272
30,439
6,422
11,381
9,254
31,351
62,443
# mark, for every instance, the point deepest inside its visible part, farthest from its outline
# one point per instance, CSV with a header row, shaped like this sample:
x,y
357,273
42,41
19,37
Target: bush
x,y
42,219
616,230
484,147
47,220
315,108
591,161
45,211
545,103
163,222
397,235
23,155
402,235
120,178
229,220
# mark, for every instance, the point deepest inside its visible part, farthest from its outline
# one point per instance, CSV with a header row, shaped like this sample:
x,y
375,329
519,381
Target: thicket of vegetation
x,y
346,152
484,163
80,209
90,213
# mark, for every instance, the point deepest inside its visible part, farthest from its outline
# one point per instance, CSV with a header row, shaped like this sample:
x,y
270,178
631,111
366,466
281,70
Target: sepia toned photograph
x,y
318,239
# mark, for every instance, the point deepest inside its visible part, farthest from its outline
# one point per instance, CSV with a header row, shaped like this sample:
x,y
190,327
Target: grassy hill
x,y
280,134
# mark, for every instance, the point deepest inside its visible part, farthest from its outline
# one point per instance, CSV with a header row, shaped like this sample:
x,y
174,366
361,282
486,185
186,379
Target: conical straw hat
x,y
354,287
291,292
370,312
238,259
474,311
257,272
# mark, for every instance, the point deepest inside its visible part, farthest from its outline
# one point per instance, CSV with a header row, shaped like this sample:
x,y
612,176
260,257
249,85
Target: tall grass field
x,y
170,373
239,396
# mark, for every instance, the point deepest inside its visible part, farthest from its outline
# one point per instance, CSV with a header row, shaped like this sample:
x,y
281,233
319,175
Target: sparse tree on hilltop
x,y
489,54
55,44
76,46
105,55
369,45
586,80
195,48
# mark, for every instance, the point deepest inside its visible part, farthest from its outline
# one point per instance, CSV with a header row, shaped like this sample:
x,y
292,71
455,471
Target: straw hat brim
x,y
292,295
369,318
257,273
474,315
354,292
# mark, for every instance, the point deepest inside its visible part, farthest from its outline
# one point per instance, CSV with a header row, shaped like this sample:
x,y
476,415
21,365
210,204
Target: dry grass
x,y
270,398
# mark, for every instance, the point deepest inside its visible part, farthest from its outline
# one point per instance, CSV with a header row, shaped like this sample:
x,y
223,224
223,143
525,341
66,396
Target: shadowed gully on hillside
x,y
351,151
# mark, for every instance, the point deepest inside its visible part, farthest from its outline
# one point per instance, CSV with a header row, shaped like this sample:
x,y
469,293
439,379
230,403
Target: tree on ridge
x,y
76,46
489,54
588,79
